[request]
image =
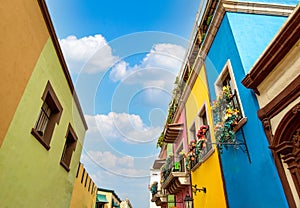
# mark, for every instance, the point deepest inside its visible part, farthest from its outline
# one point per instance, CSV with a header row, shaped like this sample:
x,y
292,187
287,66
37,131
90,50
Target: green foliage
x,y
176,94
208,21
225,117
160,141
166,169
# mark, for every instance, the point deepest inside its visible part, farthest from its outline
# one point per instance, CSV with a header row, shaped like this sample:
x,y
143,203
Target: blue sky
x,y
123,58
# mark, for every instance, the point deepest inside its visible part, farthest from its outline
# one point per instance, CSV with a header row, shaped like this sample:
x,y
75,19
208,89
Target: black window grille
x,y
43,119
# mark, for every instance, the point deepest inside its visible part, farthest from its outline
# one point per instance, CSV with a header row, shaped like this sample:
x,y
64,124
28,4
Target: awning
x,y
116,205
101,198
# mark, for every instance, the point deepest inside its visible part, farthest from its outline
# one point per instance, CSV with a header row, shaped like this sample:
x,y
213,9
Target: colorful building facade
x,y
231,45
175,175
84,191
107,198
158,197
43,125
275,78
236,165
205,170
19,54
155,192
206,175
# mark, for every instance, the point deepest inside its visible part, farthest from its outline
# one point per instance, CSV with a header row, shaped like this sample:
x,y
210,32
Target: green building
x,y
42,124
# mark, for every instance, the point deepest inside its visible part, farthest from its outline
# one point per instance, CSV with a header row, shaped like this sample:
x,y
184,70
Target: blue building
x,y
233,36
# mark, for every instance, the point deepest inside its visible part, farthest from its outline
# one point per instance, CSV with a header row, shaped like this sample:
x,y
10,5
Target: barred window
x,y
43,119
226,80
48,117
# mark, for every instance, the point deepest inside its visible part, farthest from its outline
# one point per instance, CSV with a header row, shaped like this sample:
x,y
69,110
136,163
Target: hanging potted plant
x,y
190,155
225,118
201,141
196,147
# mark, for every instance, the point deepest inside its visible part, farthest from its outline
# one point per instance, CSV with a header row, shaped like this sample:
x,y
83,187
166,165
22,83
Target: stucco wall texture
x,y
21,47
254,182
208,174
31,175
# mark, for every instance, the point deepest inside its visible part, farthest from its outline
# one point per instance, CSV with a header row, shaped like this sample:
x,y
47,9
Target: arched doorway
x,y
285,147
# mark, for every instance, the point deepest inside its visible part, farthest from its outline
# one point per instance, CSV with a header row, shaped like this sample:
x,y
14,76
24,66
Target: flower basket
x,y
195,152
225,118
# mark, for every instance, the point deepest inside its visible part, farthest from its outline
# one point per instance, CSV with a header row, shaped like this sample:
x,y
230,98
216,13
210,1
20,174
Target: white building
x,y
125,204
154,177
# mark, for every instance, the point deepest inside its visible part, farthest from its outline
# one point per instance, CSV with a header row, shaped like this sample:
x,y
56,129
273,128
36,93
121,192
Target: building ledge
x,y
160,198
158,163
172,132
176,181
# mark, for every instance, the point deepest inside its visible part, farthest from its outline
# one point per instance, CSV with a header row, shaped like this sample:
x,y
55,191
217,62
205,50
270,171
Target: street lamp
x,y
188,201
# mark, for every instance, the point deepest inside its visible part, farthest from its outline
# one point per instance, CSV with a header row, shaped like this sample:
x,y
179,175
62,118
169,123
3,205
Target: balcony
x,y
172,132
160,198
174,176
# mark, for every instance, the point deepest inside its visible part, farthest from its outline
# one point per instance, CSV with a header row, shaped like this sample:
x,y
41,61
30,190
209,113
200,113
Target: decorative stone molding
x,y
257,8
285,146
275,52
283,99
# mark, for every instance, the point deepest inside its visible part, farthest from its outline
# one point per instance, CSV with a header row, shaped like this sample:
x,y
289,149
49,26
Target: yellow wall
x,y
30,175
23,36
82,196
208,174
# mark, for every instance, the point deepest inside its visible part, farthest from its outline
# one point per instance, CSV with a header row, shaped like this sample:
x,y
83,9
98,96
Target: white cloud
x,y
119,71
158,68
111,161
114,164
168,56
90,54
128,127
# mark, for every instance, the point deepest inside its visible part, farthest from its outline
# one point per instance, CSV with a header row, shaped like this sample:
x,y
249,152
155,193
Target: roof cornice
x,y
257,8
62,61
223,7
281,44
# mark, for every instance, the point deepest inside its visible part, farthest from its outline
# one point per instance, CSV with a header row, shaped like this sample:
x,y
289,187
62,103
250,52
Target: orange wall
x,y
23,36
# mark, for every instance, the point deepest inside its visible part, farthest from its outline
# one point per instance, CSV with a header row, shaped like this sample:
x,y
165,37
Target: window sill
x,y
66,167
240,124
39,138
208,154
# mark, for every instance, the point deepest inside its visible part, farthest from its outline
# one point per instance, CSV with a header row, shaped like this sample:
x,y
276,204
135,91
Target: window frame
x,y
193,131
198,122
203,111
49,97
67,153
227,70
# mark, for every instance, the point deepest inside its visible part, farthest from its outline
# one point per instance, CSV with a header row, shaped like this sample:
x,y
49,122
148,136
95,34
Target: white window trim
x,y
218,83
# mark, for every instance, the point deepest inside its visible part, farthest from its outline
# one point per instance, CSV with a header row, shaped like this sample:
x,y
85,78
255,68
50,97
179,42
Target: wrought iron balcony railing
x,y
172,165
